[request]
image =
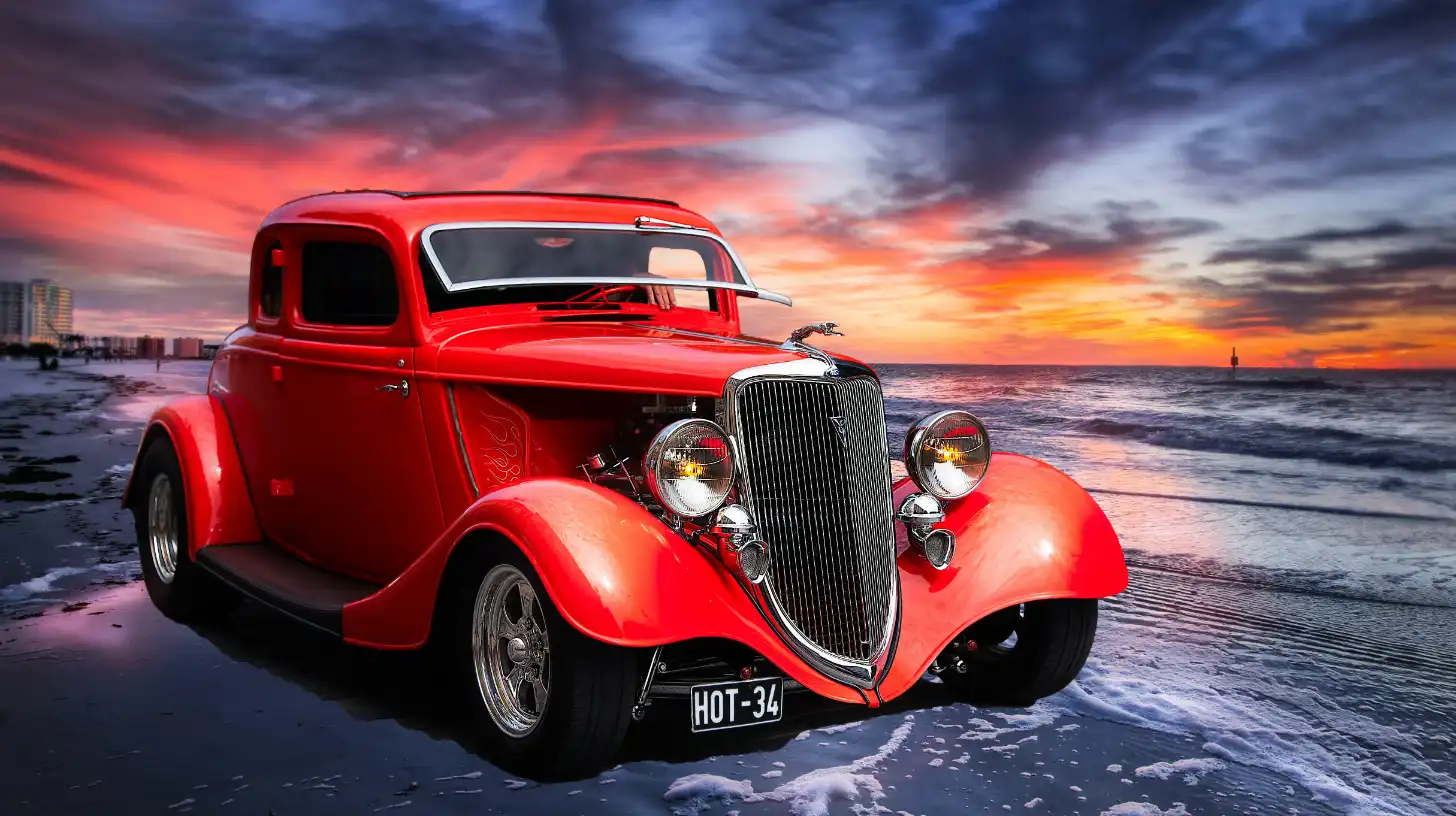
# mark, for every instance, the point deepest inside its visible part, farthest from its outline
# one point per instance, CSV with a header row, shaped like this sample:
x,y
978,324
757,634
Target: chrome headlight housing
x,y
947,453
689,469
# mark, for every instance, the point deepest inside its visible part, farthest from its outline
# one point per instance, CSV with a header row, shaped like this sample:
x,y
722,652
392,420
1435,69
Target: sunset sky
x,y
995,181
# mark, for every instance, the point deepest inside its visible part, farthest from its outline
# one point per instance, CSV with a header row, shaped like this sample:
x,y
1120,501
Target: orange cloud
x,y
916,284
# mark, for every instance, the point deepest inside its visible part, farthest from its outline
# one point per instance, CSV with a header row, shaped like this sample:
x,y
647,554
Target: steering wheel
x,y
602,293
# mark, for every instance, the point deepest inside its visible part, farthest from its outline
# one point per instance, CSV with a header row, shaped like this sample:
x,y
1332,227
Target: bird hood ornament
x,y
796,343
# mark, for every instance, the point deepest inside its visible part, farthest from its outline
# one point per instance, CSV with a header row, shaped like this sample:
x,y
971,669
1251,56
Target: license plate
x,y
716,706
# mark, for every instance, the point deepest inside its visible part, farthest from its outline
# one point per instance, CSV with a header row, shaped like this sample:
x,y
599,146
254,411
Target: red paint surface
x,y
1028,532
365,502
614,357
613,570
219,510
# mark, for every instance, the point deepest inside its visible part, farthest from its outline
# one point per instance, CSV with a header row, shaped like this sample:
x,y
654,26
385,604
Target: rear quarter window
x,y
270,288
348,284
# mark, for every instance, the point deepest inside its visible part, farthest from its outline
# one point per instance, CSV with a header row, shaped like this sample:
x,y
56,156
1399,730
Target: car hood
x,y
612,357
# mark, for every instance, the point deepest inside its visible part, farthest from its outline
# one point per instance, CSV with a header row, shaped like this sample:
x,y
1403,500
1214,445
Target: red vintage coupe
x,y
525,428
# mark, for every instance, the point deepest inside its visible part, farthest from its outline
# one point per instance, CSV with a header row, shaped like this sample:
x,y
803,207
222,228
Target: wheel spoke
x,y
528,602
504,627
538,692
514,680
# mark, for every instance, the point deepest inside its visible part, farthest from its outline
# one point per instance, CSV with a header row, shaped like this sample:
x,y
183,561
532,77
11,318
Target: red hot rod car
x,y
525,427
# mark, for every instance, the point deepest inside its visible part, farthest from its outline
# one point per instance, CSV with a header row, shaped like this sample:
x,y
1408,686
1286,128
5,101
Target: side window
x,y
348,284
270,293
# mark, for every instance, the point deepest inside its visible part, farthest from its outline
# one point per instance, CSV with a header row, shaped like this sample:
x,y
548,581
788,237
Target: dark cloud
x,y
1368,102
1384,229
1309,357
1033,83
984,95
1262,253
1317,295
10,174
1299,249
432,71
1122,232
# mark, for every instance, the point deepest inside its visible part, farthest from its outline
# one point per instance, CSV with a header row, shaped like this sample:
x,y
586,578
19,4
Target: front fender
x,y
219,507
1028,532
614,571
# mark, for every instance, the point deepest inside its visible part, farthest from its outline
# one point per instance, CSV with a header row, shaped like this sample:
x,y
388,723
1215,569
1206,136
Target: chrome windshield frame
x,y
643,226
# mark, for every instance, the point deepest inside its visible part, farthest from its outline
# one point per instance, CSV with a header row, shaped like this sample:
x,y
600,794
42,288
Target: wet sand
x,y
1203,697
113,707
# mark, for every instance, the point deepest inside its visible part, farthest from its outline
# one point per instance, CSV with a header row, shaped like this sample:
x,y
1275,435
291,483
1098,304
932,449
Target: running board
x,y
270,575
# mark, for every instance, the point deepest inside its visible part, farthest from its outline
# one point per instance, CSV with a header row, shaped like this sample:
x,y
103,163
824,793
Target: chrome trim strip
x,y
746,288
807,367
460,438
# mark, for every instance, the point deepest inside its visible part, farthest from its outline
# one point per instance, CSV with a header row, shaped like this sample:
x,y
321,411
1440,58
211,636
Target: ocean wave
x,y
1270,441
1284,384
1303,508
1433,592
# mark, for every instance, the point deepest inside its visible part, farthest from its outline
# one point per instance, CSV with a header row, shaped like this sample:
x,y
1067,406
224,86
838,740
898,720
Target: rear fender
x,y
1028,532
219,507
614,571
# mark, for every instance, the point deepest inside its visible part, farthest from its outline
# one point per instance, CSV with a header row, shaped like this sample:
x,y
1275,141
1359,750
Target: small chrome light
x,y
688,467
738,544
938,547
921,510
947,453
751,559
734,521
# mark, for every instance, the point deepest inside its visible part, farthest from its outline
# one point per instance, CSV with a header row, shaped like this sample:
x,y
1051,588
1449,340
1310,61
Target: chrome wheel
x,y
510,650
162,526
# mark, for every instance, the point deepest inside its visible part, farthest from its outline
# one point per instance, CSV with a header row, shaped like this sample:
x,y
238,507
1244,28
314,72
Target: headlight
x,y
947,453
688,467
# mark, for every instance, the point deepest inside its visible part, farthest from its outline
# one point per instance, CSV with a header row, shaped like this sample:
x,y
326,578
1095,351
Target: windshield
x,y
471,257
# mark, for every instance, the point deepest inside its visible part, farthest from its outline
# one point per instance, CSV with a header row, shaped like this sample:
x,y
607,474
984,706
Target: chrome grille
x,y
821,498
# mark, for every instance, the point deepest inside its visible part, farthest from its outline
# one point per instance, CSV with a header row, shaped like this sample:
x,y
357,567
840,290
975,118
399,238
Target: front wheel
x,y
1022,653
549,701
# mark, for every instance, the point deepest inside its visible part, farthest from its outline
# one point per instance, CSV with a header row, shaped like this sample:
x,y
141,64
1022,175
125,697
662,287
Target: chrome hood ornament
x,y
796,343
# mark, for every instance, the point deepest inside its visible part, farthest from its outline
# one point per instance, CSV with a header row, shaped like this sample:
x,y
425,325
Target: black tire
x,y
182,590
1053,640
591,686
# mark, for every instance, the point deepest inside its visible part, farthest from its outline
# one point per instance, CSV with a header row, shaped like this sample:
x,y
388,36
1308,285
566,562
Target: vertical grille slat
x,y
822,502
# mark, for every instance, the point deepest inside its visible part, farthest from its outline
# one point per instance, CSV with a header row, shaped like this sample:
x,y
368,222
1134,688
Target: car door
x,y
246,380
365,501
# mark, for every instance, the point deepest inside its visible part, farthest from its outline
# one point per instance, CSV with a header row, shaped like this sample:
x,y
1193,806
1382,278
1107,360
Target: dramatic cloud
x,y
932,175
1287,288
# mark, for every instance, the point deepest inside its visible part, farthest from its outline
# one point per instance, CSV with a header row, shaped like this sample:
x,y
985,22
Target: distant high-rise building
x,y
49,312
12,312
36,311
187,348
118,346
151,348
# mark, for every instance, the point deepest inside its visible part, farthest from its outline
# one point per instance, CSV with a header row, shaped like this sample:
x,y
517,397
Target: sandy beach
x,y
1205,694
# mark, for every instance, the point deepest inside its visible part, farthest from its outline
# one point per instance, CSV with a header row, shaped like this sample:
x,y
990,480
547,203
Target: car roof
x,y
413,211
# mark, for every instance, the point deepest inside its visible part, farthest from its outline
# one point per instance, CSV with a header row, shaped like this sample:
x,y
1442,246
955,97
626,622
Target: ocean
x,y
1328,481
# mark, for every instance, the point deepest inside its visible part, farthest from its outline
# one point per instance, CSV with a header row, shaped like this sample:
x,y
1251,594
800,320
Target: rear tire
x,y
548,701
1052,641
178,587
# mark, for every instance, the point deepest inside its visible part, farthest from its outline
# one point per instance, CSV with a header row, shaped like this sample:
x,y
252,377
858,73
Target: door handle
x,y
402,387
